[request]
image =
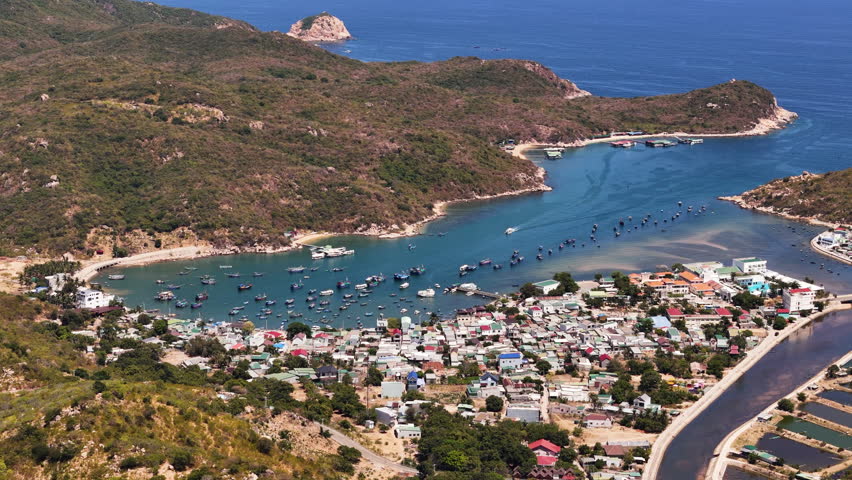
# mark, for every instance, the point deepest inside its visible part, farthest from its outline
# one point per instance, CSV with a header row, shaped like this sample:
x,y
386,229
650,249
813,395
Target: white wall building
x,y
798,299
90,298
750,265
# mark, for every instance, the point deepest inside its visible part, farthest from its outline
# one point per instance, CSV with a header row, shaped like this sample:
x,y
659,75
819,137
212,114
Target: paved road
x,y
378,460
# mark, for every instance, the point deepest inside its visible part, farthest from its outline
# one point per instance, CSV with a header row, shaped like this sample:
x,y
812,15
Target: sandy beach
x,y
731,376
780,118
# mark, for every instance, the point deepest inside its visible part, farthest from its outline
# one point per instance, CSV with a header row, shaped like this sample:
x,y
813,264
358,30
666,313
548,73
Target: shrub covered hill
x,y
826,197
146,118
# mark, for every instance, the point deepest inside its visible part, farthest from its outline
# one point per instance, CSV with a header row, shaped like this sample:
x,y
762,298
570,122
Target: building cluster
x,y
506,351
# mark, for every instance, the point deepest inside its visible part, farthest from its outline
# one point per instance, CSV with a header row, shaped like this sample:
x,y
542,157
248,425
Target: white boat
x,y
361,286
317,255
225,266
403,286
428,293
511,230
463,268
326,293
115,277
468,287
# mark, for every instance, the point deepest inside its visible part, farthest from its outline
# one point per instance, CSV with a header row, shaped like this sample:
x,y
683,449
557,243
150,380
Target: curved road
x,y
377,460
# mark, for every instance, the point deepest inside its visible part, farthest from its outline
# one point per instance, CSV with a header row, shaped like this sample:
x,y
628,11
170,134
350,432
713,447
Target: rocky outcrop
x,y
569,88
320,28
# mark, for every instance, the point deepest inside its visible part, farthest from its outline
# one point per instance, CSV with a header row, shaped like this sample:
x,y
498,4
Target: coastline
x,y
780,118
828,253
719,463
745,205
668,435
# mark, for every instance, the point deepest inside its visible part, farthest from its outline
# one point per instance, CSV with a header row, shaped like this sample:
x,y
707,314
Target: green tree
x,y
645,325
494,403
529,290
833,371
161,326
650,381
295,328
247,328
374,377
786,405
542,366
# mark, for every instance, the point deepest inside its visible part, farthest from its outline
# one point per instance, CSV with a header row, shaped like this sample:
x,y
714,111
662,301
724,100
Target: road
x,y
367,454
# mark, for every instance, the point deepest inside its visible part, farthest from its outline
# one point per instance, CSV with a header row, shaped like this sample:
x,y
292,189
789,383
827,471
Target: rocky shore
x,y
324,27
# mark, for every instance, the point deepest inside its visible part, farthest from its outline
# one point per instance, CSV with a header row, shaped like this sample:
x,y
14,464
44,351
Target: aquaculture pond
x,y
829,413
838,396
796,453
817,432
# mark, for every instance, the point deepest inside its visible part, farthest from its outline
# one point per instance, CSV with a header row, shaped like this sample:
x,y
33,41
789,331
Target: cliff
x,y
320,28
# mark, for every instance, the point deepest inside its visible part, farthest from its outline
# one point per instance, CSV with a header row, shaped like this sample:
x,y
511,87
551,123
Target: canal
x,y
787,366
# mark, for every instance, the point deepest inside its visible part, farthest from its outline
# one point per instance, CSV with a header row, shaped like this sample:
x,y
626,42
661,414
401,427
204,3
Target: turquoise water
x,y
817,432
807,67
806,457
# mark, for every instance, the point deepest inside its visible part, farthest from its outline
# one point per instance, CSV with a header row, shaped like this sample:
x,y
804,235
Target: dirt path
x,y
367,453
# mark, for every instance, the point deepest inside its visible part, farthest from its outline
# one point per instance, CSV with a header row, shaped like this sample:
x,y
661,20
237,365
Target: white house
x,y
547,286
392,389
597,420
510,361
750,265
798,299
90,298
403,430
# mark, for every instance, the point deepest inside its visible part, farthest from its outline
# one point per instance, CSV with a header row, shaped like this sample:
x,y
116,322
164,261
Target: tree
x,y
645,325
833,371
566,282
247,328
786,405
161,326
650,381
374,377
494,403
529,290
779,323
801,396
543,366
296,328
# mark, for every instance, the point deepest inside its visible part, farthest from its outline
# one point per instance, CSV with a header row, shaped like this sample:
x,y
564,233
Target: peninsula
x,y
324,27
153,127
824,199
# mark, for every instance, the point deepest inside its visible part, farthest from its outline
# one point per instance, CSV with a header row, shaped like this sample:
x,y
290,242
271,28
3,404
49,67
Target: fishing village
x,y
607,366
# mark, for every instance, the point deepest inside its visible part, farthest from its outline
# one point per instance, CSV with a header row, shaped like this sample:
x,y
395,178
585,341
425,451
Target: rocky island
x,y
324,27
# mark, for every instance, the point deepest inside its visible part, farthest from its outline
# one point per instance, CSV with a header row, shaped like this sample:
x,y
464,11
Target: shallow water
x,y
817,432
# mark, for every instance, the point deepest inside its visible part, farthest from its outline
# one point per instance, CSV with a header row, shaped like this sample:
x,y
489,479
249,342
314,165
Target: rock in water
x,y
324,27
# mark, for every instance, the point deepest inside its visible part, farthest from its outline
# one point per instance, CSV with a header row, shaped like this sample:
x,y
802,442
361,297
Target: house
x,y
798,299
524,413
386,416
510,361
597,420
701,289
392,389
91,298
488,379
414,381
750,265
642,402
546,453
404,430
547,286
326,374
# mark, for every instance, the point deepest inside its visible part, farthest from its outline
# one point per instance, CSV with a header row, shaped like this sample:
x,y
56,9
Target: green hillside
x,y
826,197
146,118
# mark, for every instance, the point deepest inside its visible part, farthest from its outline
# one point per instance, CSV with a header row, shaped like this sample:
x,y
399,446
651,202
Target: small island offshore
x,y
324,27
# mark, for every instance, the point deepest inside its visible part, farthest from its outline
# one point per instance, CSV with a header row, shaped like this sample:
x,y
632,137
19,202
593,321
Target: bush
x,y
265,445
202,473
99,387
181,460
352,455
786,405
130,463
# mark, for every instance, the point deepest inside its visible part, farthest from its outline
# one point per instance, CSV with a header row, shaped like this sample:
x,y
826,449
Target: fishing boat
x,y
362,295
257,274
181,304
165,296
311,306
347,296
196,305
296,315
271,302
260,298
417,270
312,291
539,257
326,293
244,286
497,266
343,284
486,261
400,276
298,269
691,141
295,286
208,281
324,303
290,301
317,255
310,299
361,286
201,296
172,286
510,230
115,277
314,269
225,266
233,275
428,293
234,312
160,282
403,286
337,269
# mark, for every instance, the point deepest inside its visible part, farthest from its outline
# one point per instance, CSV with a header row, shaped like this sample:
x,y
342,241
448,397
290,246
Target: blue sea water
x,y
798,50
616,48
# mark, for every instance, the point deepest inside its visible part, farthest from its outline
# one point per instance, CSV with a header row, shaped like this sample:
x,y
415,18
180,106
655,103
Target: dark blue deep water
x,y
618,48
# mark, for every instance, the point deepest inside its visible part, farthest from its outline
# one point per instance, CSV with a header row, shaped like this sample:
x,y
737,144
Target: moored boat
x,y
244,286
115,277
298,269
403,285
201,296
427,293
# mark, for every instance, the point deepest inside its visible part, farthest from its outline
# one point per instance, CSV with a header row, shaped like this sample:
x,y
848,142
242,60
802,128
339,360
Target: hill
x,y
825,197
149,120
